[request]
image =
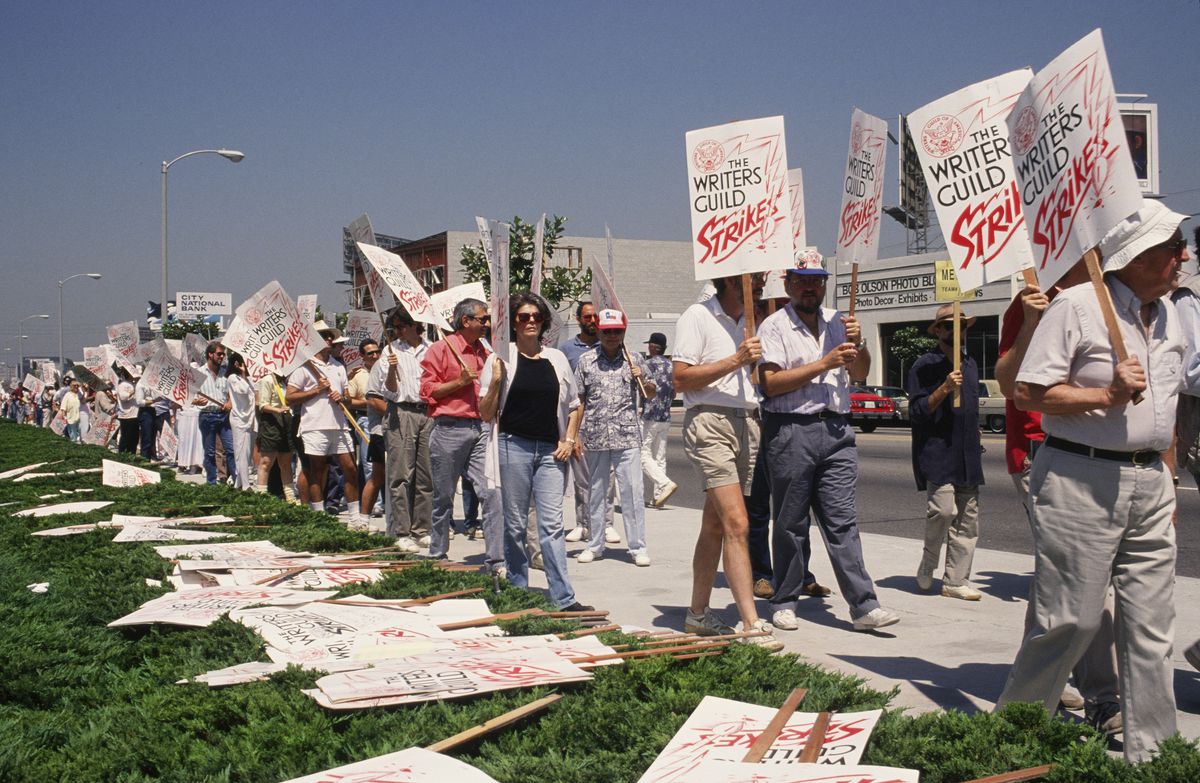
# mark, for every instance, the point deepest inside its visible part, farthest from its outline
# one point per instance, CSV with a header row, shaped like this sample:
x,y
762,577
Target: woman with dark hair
x,y
533,404
241,417
275,433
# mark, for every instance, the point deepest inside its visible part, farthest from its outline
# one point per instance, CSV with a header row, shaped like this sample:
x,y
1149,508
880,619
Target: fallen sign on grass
x,y
725,772
415,765
724,730
77,507
203,607
151,532
118,474
23,469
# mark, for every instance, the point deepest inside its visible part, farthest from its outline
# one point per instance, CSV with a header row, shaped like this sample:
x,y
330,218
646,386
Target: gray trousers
x,y
582,479
812,465
1095,674
951,518
455,445
1095,523
409,472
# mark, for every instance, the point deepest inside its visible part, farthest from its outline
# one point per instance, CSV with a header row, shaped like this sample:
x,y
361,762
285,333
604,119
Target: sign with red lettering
x,y
118,474
726,772
862,190
169,378
738,187
402,282
796,198
415,765
381,298
724,730
360,325
271,334
307,305
445,301
1071,156
963,144
124,337
33,385
493,235
203,607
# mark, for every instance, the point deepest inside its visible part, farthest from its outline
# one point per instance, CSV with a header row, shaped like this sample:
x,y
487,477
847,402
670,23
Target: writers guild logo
x,y
1026,131
942,135
253,316
708,156
856,139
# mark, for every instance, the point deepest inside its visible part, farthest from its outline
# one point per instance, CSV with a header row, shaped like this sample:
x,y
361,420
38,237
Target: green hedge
x,y
82,702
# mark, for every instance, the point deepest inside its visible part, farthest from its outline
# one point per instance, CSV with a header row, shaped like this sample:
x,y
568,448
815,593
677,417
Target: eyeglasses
x,y
371,353
483,319
217,353
1175,245
524,318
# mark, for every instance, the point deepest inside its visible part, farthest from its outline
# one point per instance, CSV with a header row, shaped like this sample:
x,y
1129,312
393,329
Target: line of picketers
x,y
1089,447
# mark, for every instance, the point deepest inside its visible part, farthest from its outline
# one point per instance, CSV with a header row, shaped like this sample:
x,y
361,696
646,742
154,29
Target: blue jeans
x,y
146,423
212,425
627,463
529,472
456,445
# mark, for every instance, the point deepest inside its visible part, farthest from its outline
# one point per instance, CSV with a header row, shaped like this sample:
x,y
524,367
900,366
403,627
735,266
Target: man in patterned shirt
x,y
611,437
656,419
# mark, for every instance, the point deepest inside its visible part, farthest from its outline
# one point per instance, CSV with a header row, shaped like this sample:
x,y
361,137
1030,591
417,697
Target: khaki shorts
x,y
326,443
722,443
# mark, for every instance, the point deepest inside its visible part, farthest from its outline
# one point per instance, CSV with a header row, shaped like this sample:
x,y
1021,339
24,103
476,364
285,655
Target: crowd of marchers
x,y
1094,446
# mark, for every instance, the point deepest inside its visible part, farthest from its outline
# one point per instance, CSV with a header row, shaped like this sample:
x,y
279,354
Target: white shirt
x,y
408,373
1071,346
705,334
320,412
241,394
787,342
215,387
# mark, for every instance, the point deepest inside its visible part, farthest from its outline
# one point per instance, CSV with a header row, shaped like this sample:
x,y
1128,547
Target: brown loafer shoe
x,y
763,588
816,590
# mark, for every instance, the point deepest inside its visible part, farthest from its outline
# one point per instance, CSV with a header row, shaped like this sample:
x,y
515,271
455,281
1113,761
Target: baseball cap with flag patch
x,y
611,319
809,263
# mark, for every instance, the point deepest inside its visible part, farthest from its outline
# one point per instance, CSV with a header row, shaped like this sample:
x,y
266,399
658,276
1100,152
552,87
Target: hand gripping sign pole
x,y
1091,259
748,314
318,374
642,383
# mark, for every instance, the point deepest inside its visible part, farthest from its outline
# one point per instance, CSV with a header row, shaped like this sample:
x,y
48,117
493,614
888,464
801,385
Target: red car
x,y
868,409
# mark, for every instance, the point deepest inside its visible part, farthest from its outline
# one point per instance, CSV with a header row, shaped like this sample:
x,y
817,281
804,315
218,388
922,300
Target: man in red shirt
x,y
1095,674
450,387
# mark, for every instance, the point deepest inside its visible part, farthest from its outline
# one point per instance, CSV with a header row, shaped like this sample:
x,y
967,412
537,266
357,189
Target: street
x,y
889,503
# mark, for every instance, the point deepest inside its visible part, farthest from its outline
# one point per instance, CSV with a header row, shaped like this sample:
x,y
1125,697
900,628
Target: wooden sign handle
x,y
498,722
641,382
853,288
1030,276
771,732
816,739
453,350
957,350
1017,776
748,315
345,411
1091,259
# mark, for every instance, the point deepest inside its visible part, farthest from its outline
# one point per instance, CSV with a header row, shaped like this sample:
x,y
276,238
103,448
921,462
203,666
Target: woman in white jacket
x,y
533,404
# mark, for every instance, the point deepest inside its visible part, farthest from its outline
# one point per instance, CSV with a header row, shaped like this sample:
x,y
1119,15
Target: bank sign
x,y
193,304
914,289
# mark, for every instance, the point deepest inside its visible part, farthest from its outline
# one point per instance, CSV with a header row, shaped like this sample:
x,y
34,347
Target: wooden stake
x,y
1017,776
957,350
498,722
402,603
453,350
1030,276
682,648
816,738
853,288
313,368
771,732
748,315
641,382
492,618
1092,260
288,574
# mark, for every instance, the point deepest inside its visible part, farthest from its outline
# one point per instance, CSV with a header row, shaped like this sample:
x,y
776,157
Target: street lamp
x,y
21,341
230,155
62,362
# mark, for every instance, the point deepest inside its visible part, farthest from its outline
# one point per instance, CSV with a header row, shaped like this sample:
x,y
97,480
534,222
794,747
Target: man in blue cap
x,y
809,353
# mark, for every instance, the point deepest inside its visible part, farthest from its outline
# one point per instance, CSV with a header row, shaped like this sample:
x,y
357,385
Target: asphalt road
x,y
889,503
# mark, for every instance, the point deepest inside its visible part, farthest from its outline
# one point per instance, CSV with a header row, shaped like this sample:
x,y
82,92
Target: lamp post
x,y
62,361
230,155
21,341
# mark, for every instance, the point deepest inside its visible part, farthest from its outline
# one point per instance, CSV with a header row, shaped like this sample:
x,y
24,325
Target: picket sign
x,y
270,333
862,196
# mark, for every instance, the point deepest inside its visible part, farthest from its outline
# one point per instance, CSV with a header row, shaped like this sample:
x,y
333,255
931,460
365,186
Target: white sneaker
x,y
610,535
424,541
785,620
641,560
962,592
707,623
575,534
359,524
767,641
406,544
876,618
661,499
586,556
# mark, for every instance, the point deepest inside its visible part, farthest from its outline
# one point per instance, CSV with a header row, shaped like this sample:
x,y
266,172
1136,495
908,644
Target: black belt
x,y
415,407
821,415
1140,457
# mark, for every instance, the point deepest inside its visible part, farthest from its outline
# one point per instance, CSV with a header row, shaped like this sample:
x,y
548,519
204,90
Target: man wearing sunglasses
x,y
215,404
450,387
947,457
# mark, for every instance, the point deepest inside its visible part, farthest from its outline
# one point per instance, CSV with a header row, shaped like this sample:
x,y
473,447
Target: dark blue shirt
x,y
946,447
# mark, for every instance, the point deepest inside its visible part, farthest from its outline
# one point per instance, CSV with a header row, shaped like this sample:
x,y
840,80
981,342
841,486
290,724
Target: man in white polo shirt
x,y
1101,500
318,388
712,362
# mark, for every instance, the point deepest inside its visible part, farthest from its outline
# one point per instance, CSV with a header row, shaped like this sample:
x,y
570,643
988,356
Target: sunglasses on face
x,y
483,319
524,318
1175,245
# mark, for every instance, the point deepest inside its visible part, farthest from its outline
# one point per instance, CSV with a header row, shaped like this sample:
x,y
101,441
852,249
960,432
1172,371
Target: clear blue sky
x,y
426,114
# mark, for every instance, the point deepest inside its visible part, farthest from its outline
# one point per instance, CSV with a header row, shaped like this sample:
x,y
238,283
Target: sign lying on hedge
x,y
415,765
203,607
725,772
118,474
724,730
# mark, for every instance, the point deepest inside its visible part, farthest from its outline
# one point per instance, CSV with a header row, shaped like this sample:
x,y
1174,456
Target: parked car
x,y
991,405
868,410
898,395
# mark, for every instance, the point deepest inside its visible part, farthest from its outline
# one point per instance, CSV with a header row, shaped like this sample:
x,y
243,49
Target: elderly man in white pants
x,y
1101,498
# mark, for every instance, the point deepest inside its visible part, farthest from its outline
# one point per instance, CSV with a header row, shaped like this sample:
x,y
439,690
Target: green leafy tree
x,y
907,345
175,330
559,284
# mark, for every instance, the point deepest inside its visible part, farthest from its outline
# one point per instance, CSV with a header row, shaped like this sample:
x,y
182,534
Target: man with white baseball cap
x,y
1101,499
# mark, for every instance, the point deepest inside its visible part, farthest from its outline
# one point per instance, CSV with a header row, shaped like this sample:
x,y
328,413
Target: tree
x,y
559,284
175,330
907,345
